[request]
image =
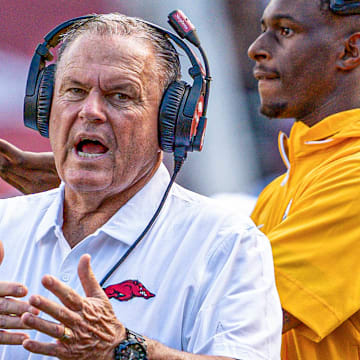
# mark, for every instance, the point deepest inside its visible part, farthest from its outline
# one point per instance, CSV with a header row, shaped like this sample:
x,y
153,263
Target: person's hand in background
x,y
28,172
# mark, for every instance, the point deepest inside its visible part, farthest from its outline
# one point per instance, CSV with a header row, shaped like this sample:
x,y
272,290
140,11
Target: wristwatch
x,y
132,348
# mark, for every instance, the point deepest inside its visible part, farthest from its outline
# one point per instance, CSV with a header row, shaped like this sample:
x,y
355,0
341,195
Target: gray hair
x,y
118,24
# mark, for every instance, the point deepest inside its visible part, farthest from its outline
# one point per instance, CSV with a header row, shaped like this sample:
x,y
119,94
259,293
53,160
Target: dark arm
x,y
28,172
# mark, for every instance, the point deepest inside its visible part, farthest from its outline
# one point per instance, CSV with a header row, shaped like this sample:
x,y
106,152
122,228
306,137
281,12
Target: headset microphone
x,y
345,7
183,26
186,30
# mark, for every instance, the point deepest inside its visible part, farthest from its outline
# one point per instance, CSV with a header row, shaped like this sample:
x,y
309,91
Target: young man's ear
x,y
350,57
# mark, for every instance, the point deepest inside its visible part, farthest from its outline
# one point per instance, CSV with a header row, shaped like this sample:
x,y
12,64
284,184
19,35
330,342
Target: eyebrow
x,y
116,85
278,17
130,87
66,80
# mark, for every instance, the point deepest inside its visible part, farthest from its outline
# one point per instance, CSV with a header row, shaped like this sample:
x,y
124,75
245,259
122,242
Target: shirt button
x,y
65,277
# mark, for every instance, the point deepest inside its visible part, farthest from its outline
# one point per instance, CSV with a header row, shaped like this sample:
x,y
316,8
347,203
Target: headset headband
x,y
345,7
52,39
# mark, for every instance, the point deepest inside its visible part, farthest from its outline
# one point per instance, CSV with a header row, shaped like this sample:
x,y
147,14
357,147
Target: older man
x,y
200,283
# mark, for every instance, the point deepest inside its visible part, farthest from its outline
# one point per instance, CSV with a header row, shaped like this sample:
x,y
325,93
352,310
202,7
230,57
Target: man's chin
x,y
89,182
273,110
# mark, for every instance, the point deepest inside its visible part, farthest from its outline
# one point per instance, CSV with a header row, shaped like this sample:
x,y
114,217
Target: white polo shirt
x,y
200,281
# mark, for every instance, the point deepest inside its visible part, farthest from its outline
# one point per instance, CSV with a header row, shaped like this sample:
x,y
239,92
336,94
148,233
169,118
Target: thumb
x,y
88,280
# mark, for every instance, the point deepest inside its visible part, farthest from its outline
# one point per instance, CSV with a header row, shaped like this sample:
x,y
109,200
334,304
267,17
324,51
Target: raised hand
x,y
11,311
87,328
28,172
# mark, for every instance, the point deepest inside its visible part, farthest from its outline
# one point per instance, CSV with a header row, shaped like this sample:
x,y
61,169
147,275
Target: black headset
x,y
345,7
182,113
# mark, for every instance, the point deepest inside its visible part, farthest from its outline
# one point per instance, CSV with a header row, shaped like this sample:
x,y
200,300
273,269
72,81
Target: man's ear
x,y
350,56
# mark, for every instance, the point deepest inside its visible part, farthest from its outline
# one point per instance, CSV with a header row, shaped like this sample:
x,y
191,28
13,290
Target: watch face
x,y
136,352
130,350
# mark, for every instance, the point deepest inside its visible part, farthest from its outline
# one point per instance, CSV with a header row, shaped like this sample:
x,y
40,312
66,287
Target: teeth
x,y
87,155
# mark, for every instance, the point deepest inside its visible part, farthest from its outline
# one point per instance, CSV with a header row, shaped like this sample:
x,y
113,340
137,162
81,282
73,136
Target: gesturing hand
x,y
10,312
88,326
28,172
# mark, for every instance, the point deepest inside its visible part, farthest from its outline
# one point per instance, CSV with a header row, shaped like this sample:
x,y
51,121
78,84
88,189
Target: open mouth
x,y
90,148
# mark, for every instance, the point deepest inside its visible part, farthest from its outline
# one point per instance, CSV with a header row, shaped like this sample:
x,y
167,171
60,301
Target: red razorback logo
x,y
128,289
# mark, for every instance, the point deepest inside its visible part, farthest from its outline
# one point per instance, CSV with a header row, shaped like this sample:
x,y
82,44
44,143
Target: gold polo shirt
x,y
311,215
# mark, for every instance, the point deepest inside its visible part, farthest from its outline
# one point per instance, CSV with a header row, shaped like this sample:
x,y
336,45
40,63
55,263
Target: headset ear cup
x,y
169,113
46,88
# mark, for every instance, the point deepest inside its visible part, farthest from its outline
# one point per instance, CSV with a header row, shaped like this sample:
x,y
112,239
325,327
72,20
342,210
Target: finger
x,y
41,180
12,338
12,306
12,289
18,182
88,280
66,294
55,310
47,327
11,322
50,349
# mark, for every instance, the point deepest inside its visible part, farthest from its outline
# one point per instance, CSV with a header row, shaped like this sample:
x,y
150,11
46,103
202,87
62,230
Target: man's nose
x,y
258,50
93,108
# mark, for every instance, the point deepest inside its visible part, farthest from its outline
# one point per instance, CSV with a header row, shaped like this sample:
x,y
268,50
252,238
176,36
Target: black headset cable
x,y
180,155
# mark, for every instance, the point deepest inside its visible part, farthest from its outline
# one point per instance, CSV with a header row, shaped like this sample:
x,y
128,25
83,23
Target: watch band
x,y
133,335
132,348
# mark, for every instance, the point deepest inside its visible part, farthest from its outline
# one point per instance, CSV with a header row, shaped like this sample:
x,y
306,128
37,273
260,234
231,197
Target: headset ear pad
x,y
169,114
46,88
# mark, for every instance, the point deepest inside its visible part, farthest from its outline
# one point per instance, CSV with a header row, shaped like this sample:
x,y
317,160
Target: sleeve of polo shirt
x,y
238,309
316,250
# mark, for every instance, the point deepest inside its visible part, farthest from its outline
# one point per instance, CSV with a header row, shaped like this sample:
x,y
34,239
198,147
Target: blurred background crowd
x,y
240,154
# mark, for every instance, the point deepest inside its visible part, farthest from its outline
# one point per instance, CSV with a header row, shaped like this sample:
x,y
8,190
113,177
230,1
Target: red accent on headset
x,y
198,113
183,21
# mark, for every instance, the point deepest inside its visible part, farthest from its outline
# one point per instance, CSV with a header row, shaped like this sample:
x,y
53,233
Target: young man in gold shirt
x,y
308,68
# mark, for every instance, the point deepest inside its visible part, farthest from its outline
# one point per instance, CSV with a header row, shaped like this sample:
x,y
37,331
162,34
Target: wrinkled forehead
x,y
95,61
112,50
116,46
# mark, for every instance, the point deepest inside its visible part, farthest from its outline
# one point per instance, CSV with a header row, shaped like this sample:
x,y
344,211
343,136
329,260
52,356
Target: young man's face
x,y
295,58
